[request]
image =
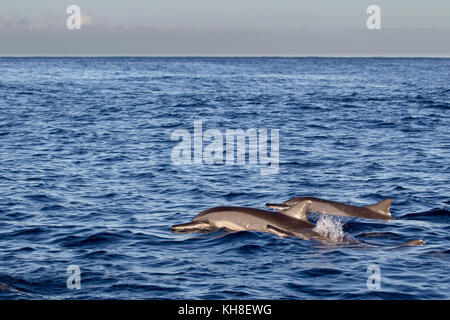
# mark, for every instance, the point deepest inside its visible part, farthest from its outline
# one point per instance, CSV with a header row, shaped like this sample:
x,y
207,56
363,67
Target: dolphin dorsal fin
x,y
298,211
381,207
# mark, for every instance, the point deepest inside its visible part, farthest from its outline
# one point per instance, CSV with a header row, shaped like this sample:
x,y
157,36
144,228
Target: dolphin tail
x,y
419,242
278,206
193,226
382,207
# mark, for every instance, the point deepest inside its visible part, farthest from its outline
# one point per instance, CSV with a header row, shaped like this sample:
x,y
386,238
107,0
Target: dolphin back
x,y
382,207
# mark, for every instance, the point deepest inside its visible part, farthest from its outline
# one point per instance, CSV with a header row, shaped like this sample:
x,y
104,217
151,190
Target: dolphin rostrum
x,y
378,210
292,222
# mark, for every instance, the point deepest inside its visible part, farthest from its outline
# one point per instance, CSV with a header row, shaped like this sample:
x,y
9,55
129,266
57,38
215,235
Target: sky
x,y
225,28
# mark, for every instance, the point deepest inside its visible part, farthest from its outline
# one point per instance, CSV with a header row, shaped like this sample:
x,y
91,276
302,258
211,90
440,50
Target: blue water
x,y
86,176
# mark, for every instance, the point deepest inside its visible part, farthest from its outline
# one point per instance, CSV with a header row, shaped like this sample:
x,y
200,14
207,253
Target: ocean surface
x,y
87,177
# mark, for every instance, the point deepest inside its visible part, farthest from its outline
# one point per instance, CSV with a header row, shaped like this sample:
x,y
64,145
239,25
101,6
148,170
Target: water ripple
x,y
86,176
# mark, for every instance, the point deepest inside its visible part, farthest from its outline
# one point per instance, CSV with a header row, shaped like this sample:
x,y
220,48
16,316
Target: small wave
x,y
372,295
378,234
233,195
321,272
95,240
137,287
397,188
434,215
55,207
104,254
249,248
108,195
30,232
41,198
142,175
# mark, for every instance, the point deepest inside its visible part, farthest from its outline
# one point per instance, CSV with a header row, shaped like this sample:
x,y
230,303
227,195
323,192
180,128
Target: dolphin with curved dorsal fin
x,y
289,223
298,211
292,222
380,210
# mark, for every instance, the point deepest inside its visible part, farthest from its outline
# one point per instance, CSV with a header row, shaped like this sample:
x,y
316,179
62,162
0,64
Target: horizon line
x,y
226,56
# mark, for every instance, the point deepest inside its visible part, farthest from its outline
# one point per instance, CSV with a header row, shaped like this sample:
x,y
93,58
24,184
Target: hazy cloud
x,y
48,35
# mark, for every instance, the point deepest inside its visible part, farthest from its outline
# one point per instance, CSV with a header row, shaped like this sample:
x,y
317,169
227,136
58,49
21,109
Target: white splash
x,y
330,227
